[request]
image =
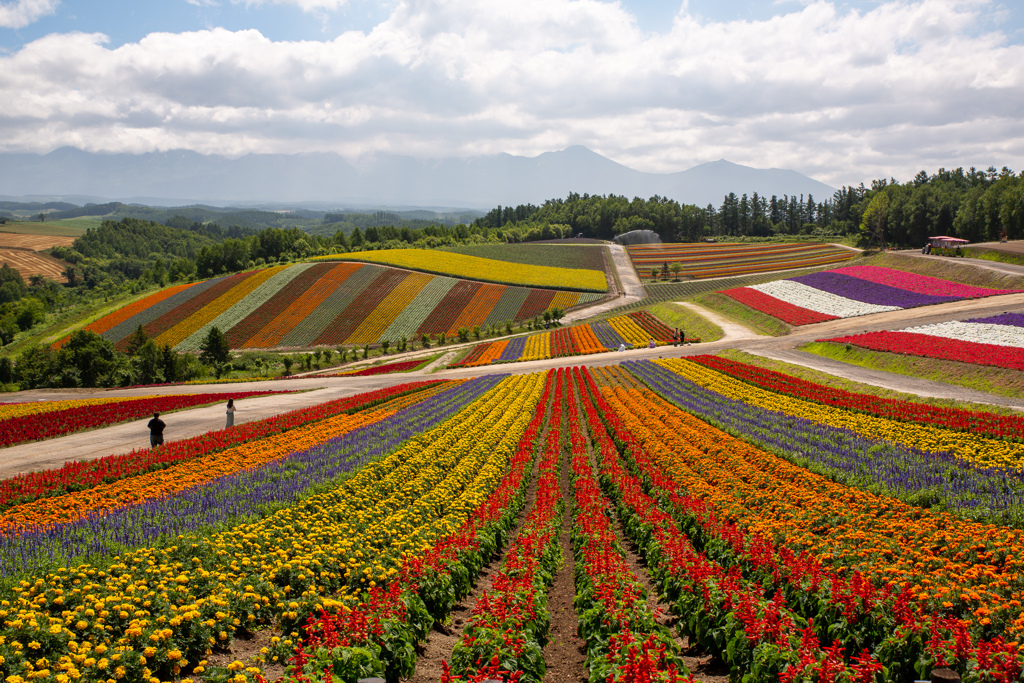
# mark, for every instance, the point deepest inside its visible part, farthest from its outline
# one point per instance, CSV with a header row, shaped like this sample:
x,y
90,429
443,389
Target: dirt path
x,y
565,653
633,288
985,264
731,331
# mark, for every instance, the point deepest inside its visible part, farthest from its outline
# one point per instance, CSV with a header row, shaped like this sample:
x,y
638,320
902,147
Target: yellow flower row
x,y
630,331
538,347
476,268
564,300
159,611
982,450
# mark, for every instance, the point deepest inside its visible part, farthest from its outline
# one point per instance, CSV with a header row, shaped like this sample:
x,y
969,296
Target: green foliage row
x,y
582,256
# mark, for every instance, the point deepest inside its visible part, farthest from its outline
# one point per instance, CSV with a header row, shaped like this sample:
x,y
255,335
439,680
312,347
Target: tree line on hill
x,y
973,205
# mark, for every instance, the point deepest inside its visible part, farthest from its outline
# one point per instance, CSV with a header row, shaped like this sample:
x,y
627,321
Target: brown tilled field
x,y
30,263
9,240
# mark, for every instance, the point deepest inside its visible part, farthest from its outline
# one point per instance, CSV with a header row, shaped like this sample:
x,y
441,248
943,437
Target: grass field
x,y
71,227
755,320
981,378
585,256
995,255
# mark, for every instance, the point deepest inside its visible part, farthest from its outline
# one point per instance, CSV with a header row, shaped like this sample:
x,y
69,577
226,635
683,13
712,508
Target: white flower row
x,y
799,294
978,333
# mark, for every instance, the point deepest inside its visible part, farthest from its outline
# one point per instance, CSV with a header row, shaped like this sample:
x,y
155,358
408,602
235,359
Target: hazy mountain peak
x,y
386,179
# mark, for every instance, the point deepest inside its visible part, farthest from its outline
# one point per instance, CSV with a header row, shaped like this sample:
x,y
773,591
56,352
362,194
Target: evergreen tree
x,y
214,349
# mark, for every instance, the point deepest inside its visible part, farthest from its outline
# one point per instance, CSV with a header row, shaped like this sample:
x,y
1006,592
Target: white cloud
x,y
304,5
21,13
844,96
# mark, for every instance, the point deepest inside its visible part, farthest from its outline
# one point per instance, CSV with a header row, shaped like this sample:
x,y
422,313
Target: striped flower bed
x,y
996,341
257,326
851,292
315,304
373,325
329,308
634,330
415,314
723,260
246,304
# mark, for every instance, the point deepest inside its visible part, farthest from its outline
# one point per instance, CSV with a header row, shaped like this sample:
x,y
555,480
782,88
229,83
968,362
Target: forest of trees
x,y
974,205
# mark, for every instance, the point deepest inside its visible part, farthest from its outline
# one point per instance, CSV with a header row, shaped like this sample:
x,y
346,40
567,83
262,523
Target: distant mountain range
x,y
483,182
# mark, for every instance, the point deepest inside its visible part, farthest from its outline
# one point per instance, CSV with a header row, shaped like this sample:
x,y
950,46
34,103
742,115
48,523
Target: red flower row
x,y
47,425
625,642
509,620
989,424
387,368
435,580
927,346
652,326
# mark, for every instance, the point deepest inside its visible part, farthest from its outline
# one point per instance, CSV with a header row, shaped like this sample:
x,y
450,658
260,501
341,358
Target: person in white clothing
x,y
231,413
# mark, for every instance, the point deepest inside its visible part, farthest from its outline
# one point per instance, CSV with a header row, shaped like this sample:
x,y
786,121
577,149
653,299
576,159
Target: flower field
x,y
325,304
785,546
485,269
698,261
997,341
850,292
24,422
635,329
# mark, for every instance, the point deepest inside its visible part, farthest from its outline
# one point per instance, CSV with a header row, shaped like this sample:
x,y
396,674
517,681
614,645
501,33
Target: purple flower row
x,y
868,292
1011,319
911,474
514,350
607,335
250,493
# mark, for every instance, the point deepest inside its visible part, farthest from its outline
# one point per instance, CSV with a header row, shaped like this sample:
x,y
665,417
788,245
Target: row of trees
x,y
972,204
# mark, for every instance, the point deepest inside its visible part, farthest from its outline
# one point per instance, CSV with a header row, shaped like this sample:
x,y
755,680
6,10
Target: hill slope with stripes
x,y
325,304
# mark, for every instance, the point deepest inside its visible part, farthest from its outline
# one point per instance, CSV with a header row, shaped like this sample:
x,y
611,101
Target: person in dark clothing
x,y
156,431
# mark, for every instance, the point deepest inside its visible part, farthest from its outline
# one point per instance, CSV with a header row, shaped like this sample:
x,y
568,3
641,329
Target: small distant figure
x,y
651,344
622,347
682,337
156,431
231,413
675,337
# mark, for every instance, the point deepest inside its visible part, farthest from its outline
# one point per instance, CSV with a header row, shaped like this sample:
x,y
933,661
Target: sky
x,y
844,91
